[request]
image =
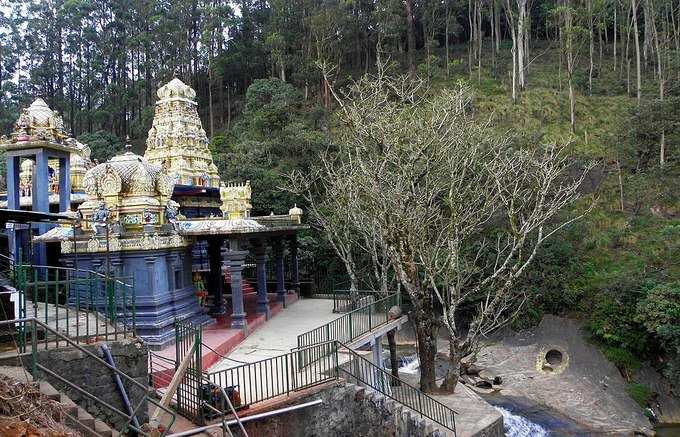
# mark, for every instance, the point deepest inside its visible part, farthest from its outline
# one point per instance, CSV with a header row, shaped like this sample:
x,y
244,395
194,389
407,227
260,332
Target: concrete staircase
x,y
76,417
406,420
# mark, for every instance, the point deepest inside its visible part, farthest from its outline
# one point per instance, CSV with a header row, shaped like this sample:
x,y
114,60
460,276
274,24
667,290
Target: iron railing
x,y
360,370
348,300
272,377
189,394
83,305
37,370
348,327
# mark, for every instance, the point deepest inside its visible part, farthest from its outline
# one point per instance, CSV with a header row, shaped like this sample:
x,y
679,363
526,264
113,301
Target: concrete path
x,y
279,335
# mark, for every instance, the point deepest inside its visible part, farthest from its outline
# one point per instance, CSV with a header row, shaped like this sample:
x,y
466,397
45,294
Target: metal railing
x,y
348,300
272,377
362,371
83,305
33,326
348,327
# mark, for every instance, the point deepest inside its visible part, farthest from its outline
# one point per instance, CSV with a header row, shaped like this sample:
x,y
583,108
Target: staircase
x,y
76,417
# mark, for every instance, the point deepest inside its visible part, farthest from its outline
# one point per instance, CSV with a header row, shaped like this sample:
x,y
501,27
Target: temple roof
x,y
39,123
176,89
127,175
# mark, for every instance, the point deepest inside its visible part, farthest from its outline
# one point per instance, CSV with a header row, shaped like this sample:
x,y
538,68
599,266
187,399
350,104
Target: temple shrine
x,y
164,219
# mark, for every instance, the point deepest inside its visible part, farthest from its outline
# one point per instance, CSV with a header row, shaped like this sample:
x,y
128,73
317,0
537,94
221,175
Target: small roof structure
x,y
21,216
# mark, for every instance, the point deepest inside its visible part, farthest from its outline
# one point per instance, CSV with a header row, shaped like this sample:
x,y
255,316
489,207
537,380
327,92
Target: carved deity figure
x,y
101,213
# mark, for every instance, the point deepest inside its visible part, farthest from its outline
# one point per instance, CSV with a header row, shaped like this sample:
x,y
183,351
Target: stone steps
x,y
76,417
410,419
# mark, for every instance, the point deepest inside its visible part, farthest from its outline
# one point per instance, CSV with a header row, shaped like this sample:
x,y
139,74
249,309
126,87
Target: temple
x,y
163,219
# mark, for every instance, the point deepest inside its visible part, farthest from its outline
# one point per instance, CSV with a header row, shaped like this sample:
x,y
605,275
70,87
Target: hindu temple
x,y
163,219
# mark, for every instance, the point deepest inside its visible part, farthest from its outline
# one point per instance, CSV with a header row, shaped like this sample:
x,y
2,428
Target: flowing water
x,y
537,425
409,364
518,426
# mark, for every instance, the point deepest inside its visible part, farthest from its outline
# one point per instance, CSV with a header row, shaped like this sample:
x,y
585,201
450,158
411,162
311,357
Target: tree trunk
x,y
591,48
520,45
497,24
446,38
453,372
411,38
616,7
637,51
427,351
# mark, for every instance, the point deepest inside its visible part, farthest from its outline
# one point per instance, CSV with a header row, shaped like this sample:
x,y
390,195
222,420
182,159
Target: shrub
x,y
640,393
622,358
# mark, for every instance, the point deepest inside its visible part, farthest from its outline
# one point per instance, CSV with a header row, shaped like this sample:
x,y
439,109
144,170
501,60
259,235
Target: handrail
x,y
224,357
34,322
73,269
351,325
389,385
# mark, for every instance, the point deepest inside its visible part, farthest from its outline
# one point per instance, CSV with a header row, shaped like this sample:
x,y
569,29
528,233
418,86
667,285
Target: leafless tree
x,y
458,213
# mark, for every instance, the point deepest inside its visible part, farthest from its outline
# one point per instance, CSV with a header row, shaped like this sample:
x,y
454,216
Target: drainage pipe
x,y
248,418
119,383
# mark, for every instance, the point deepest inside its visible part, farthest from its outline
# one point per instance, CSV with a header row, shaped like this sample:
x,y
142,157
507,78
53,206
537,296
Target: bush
x,y
622,358
640,393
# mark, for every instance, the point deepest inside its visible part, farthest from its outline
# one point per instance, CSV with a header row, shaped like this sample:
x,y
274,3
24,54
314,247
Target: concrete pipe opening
x,y
554,357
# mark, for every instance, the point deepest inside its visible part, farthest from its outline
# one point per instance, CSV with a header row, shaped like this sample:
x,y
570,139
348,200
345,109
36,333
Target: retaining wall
x,y
130,357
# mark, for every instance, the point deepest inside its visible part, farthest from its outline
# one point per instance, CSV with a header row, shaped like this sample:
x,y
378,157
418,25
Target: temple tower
x,y
177,138
39,137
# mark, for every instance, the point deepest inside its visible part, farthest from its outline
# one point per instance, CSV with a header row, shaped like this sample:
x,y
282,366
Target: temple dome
x,y
41,114
176,89
127,175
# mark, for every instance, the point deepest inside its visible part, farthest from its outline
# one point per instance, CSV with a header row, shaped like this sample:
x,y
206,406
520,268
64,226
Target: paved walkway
x,y
279,335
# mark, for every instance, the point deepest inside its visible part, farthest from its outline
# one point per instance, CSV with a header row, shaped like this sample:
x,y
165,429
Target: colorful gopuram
x,y
163,219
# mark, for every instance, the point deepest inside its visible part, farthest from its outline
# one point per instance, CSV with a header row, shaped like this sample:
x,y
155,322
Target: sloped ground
x,y
584,387
24,411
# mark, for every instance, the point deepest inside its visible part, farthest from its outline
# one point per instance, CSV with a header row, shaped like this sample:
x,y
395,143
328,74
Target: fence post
x,y
287,376
34,350
350,326
370,307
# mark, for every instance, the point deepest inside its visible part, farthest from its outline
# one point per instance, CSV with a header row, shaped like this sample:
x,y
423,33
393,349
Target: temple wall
x,y
164,291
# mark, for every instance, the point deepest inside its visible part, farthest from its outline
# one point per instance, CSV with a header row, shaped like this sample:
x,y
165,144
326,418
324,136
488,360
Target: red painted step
x,y
245,284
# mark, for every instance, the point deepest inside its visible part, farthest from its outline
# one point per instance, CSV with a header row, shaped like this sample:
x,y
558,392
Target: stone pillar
x,y
280,272
41,201
215,284
64,184
13,171
295,274
236,259
376,347
13,197
261,265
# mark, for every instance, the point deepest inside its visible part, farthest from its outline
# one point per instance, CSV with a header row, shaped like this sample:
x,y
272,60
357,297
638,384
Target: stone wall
x,y
130,357
346,410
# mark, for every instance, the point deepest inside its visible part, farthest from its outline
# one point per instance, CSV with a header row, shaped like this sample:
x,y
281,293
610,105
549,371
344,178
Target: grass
x,y
640,393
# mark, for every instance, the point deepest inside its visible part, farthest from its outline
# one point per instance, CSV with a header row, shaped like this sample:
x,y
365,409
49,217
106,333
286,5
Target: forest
x,y
601,77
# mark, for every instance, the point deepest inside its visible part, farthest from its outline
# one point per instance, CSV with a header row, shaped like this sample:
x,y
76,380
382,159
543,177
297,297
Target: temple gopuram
x,y
164,219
